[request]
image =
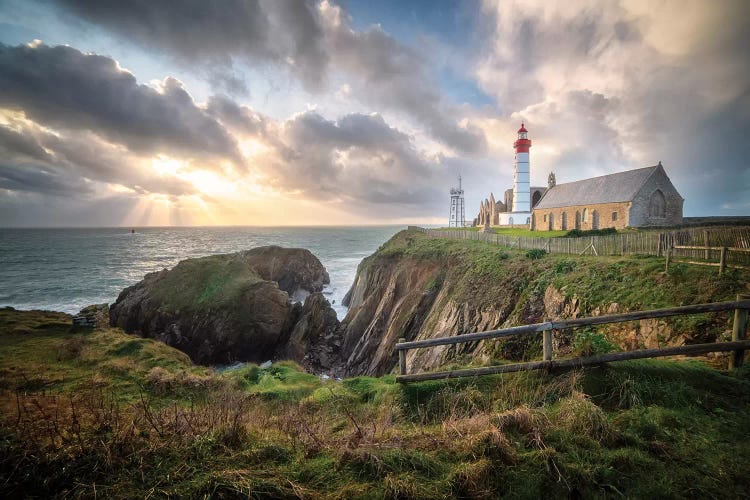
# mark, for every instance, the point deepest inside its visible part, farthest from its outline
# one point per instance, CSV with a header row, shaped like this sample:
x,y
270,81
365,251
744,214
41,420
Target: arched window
x,y
564,221
510,221
657,206
585,215
578,219
594,219
551,221
535,198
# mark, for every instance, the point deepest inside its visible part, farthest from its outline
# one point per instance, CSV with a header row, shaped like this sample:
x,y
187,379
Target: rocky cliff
x,y
237,307
417,288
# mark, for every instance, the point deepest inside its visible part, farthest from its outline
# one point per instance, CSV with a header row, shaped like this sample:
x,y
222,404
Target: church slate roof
x,y
622,186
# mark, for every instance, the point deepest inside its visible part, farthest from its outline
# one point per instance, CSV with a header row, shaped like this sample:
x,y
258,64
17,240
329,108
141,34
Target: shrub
x,y
564,266
577,233
589,342
536,253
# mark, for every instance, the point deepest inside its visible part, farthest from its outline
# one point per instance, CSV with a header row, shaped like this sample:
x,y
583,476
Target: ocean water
x,y
67,269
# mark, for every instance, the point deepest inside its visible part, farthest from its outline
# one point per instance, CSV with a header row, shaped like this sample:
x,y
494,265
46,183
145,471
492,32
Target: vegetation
x,y
513,231
220,279
577,233
100,413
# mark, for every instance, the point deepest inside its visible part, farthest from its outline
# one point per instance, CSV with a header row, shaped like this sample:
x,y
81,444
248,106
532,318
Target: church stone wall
x,y
641,213
604,211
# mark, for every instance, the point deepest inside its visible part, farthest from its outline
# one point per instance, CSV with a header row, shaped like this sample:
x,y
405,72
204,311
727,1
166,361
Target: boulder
x,y
227,308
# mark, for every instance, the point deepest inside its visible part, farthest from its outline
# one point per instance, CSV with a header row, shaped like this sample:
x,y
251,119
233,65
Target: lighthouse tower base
x,y
514,219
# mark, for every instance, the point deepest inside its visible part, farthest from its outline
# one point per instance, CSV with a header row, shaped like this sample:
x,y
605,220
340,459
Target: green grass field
x,y
101,413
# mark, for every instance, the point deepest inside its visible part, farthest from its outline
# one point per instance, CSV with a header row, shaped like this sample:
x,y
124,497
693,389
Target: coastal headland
x,y
136,407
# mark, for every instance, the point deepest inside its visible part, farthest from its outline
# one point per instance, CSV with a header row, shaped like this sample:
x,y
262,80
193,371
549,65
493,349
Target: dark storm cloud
x,y
36,179
14,143
239,118
357,159
290,33
61,86
285,32
42,162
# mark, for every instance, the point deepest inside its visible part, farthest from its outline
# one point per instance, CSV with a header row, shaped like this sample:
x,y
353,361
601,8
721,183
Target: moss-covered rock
x,y
235,307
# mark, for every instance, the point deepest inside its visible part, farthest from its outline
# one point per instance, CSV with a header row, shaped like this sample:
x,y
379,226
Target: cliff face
x,y
226,308
420,288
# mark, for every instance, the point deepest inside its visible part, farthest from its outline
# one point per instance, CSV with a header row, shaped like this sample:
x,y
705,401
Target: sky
x,y
337,112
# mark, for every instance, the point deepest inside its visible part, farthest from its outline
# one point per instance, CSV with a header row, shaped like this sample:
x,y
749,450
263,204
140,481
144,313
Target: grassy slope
x,y
85,412
218,280
482,274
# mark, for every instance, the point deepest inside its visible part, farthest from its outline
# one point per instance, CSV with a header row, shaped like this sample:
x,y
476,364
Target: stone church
x,y
635,198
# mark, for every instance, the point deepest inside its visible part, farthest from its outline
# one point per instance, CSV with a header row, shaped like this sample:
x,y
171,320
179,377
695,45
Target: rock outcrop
x,y
418,288
236,307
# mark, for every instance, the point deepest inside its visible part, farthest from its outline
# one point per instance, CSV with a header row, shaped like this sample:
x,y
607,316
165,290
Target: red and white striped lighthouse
x,y
522,173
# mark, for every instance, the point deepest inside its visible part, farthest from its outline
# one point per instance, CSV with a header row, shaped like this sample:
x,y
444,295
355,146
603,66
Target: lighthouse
x,y
521,173
520,212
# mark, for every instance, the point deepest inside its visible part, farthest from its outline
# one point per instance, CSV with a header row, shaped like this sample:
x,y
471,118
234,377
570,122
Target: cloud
x,y
395,77
96,126
63,87
313,40
218,34
608,86
358,159
65,164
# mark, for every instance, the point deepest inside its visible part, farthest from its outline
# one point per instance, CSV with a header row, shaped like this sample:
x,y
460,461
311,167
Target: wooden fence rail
x,y
706,240
739,344
725,254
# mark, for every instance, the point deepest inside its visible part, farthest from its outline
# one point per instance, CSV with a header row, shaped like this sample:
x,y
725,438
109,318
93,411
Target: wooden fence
x,y
627,243
727,257
738,343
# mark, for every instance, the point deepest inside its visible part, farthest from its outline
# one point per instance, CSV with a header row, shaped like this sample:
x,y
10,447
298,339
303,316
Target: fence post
x,y
708,250
739,332
666,262
547,345
658,247
402,358
723,260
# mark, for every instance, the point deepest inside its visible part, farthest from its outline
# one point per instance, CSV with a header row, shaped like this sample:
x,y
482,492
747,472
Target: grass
x,y
511,231
100,413
205,282
518,283
155,425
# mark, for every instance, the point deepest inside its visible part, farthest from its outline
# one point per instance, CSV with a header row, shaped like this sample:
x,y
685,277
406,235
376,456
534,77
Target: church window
x,y
657,206
614,216
585,215
545,217
535,198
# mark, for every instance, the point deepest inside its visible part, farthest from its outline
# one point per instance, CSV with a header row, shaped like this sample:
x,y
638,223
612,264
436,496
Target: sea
x,y
68,269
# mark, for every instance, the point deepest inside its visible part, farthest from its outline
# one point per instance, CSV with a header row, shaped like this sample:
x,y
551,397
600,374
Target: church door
x,y
578,219
595,220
